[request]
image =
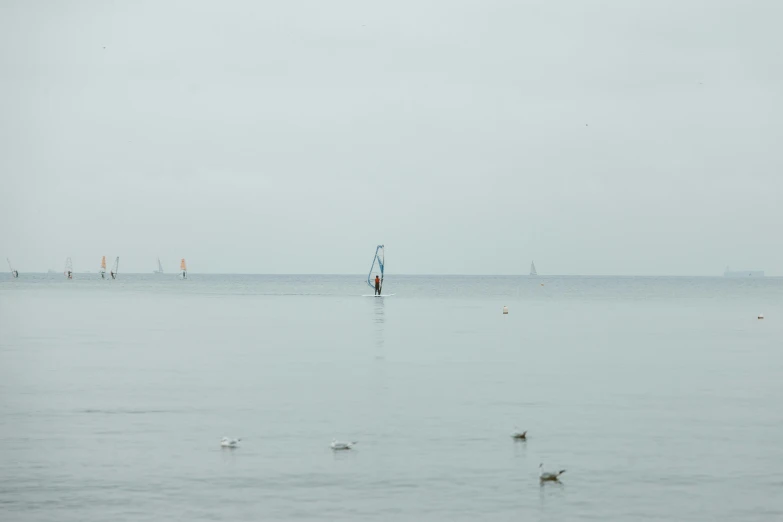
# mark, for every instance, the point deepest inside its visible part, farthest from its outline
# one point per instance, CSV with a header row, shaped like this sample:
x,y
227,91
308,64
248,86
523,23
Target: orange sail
x,y
182,265
103,263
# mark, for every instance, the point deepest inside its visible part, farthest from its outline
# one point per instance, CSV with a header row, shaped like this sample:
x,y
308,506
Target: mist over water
x,y
660,396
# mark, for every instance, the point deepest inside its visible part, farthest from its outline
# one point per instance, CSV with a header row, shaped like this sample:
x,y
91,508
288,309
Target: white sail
x,y
160,268
68,268
115,268
533,269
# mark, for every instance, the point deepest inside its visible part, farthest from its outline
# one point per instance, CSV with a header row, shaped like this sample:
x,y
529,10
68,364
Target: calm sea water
x,y
662,397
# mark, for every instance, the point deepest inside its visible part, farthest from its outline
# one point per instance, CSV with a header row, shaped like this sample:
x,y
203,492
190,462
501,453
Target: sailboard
x,y
68,268
184,268
160,268
14,273
102,271
115,267
376,269
533,269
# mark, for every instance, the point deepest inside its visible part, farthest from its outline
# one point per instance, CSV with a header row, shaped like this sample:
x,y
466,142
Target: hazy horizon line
x,y
362,276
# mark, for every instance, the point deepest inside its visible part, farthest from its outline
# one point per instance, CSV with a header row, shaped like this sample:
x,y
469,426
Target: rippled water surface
x,y
662,397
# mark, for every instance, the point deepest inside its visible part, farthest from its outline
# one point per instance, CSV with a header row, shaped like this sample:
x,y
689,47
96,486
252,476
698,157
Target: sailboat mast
x,y
383,263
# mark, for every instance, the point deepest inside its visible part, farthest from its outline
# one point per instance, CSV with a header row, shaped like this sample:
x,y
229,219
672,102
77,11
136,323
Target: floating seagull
x,y
519,435
546,476
336,445
229,443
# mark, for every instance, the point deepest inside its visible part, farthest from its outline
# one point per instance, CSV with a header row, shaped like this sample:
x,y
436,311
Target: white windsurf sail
x,y
14,273
160,268
68,268
533,269
115,268
376,269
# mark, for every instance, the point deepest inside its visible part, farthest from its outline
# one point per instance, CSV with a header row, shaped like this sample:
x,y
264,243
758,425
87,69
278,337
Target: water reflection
x,y
379,319
342,456
227,455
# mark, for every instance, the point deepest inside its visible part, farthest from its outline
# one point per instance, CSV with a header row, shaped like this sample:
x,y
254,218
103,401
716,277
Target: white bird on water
x,y
545,476
229,443
337,445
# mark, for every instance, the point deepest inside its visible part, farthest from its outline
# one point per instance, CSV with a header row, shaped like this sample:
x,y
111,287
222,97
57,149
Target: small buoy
x,y
761,316
505,309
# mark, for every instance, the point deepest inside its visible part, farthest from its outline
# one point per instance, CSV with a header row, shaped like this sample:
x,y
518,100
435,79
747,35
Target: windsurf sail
x,y
115,268
68,268
377,267
160,268
184,268
102,271
14,273
533,269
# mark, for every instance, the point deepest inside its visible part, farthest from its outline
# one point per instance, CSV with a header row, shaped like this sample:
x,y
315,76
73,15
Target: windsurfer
x,y
377,285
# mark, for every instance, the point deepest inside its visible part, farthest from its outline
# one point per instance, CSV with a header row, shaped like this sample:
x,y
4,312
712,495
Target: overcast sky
x,y
595,137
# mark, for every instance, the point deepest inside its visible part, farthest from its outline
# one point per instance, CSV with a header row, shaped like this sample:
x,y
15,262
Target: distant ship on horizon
x,y
742,273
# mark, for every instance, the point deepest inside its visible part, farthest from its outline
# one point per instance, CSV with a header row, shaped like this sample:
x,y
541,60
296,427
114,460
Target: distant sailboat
x,y
14,273
184,267
68,268
742,273
160,268
115,268
533,269
378,264
102,271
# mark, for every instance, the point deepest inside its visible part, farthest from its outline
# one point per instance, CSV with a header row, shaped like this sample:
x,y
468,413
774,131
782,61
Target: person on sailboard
x,y
15,273
377,285
112,275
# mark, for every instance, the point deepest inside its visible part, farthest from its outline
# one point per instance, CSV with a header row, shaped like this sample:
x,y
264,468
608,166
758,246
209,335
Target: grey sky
x,y
596,137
